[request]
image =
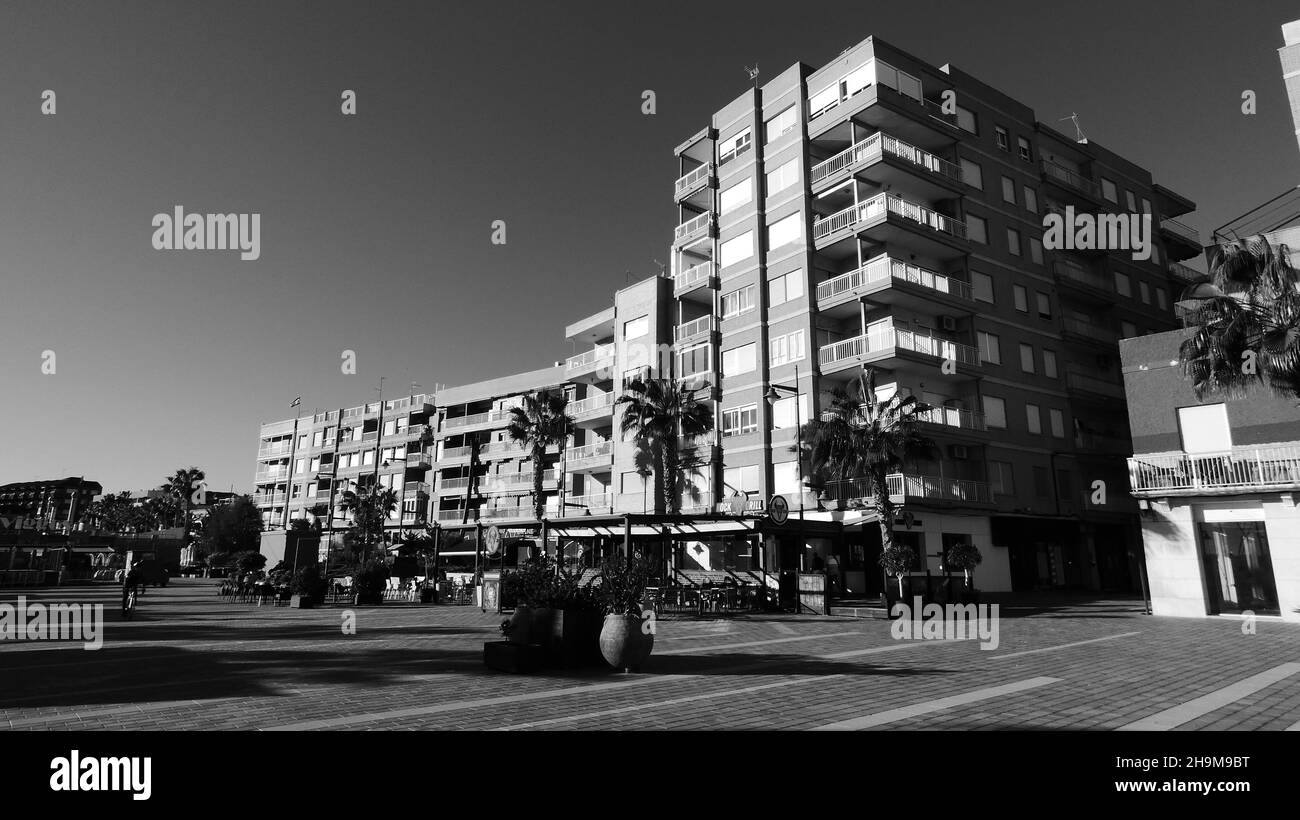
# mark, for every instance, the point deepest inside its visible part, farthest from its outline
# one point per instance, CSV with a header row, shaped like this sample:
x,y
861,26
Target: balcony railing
x,y
1091,384
1061,174
508,449
909,85
883,268
952,417
692,179
596,503
456,452
509,481
1184,273
453,515
875,146
694,226
592,358
693,276
1241,469
269,499
415,488
264,476
1099,332
883,339
600,450
878,206
701,504
1179,229
417,461
599,403
457,483
281,448
1077,273
693,328
907,485
455,422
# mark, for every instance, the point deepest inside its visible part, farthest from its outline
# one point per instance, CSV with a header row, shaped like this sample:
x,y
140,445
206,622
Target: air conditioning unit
x,y
958,452
948,322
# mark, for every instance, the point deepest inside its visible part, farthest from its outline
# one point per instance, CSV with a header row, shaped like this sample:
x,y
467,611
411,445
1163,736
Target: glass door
x,y
1238,568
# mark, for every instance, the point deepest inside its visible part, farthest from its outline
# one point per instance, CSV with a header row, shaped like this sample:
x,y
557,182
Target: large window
x,y
739,420
786,348
1013,241
787,413
736,249
966,120
636,328
782,123
1009,190
990,351
1036,250
1057,419
1027,358
785,477
1026,152
972,174
1021,297
783,177
785,231
784,288
982,287
739,194
1001,478
977,230
1049,364
1109,191
1031,199
995,411
693,360
734,146
743,480
1002,138
738,301
1122,286
738,360
1033,419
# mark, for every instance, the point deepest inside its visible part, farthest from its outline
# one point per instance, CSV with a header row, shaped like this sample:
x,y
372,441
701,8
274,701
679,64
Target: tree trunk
x,y
539,504
672,502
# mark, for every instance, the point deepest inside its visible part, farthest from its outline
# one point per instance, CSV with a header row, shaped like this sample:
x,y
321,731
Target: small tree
x,y
964,557
897,560
233,527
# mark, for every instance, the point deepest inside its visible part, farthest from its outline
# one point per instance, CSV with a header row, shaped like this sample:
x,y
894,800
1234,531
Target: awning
x,y
643,530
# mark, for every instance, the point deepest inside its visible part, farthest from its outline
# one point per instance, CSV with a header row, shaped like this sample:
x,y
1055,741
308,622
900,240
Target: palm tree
x,y
659,413
1246,320
180,486
869,439
370,506
539,423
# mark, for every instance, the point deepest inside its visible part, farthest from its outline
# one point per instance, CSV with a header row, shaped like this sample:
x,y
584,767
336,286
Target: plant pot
x,y
301,602
623,644
521,626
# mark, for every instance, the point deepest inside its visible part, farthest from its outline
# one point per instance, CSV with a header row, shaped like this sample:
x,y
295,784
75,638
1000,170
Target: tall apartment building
x,y
53,503
840,218
1289,54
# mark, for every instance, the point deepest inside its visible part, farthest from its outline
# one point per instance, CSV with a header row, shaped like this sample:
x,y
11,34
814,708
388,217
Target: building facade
x,y
1218,481
876,212
54,504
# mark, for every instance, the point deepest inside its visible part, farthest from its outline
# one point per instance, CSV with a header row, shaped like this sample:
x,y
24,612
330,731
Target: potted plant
x,y
897,560
369,581
626,640
308,588
965,557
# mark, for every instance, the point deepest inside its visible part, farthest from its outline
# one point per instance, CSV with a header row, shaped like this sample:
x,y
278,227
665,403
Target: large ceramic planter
x,y
521,626
623,644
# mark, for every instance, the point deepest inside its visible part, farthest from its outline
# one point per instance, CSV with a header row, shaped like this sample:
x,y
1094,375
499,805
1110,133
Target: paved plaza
x,y
193,661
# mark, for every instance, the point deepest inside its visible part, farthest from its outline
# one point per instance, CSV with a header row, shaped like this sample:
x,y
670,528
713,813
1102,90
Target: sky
x,y
376,229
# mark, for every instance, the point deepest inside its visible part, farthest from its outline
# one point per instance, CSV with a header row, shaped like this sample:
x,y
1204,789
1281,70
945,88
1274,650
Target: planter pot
x,y
622,642
505,656
369,598
301,602
521,626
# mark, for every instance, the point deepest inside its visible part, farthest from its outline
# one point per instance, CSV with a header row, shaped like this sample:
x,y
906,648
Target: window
x,y
1031,200
1127,330
1146,205
1002,137
977,229
1001,480
783,177
785,477
368,459
995,411
1162,299
785,231
1022,298
1036,250
735,196
1122,286
300,466
966,120
738,301
826,98
1057,420
693,360
781,123
739,420
784,288
981,287
635,328
1027,358
990,351
1026,153
1131,201
787,348
1044,305
736,249
1009,190
734,146
1049,364
743,480
1042,483
1205,428
1144,292
390,427
1109,191
972,174
738,360
786,414
1155,254
1033,421
316,465
1013,241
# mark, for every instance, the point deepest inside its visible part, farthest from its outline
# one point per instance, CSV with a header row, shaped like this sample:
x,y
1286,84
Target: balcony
x,y
1071,181
456,453
889,218
413,430
515,482
598,504
701,504
1089,332
417,461
701,225
694,278
694,180
902,163
890,281
953,417
593,407
1182,232
694,329
906,486
1240,470
475,420
271,476
1080,382
455,484
502,449
269,499
884,345
1083,280
598,360
279,449
454,515
411,488
598,456
1185,274
880,96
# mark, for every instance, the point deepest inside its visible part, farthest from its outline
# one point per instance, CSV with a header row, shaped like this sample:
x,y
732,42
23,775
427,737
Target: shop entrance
x,y
1238,568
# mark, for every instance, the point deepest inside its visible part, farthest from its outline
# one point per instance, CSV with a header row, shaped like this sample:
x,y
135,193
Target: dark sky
x,y
376,228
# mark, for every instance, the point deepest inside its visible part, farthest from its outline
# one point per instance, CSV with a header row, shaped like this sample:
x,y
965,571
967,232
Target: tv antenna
x,y
753,74
1078,132
663,269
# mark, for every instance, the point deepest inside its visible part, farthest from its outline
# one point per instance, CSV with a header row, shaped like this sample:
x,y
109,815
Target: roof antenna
x,y
1078,132
663,269
753,74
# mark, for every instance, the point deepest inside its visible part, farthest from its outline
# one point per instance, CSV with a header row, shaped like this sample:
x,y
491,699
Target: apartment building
x,y
1218,481
875,212
1289,54
53,503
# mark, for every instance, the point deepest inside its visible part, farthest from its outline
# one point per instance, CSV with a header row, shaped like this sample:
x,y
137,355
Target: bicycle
x,y
128,603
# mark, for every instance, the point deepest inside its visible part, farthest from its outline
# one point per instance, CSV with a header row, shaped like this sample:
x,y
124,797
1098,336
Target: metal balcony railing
x,y
952,417
269,499
881,204
602,450
599,403
693,276
281,448
907,485
1077,273
882,268
596,503
1061,174
1179,229
691,227
693,179
1184,273
1242,469
693,328
874,147
455,422
601,354
883,339
1099,332
416,487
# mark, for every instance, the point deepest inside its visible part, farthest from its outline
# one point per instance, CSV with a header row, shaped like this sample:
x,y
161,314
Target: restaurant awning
x,y
679,528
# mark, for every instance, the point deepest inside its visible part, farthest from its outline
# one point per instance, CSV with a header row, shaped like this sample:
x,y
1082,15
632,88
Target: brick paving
x,y
192,661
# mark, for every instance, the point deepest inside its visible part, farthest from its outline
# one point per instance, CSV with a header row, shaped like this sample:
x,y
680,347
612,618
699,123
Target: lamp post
x,y
772,395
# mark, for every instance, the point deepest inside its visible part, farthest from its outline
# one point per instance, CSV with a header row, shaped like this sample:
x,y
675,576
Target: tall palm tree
x,y
540,422
869,438
1247,314
180,486
370,506
658,413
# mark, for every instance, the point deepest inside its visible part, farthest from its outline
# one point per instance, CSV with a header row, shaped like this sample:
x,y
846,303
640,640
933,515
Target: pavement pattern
x,y
191,661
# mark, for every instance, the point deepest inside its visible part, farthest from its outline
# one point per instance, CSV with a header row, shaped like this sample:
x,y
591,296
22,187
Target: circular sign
x,y
779,509
492,540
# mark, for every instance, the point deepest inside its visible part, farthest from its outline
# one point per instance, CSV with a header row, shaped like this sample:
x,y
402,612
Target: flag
x,y
296,402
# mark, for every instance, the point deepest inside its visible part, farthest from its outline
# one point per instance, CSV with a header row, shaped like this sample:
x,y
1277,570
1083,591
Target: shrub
x,y
964,557
622,585
897,561
371,577
308,583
